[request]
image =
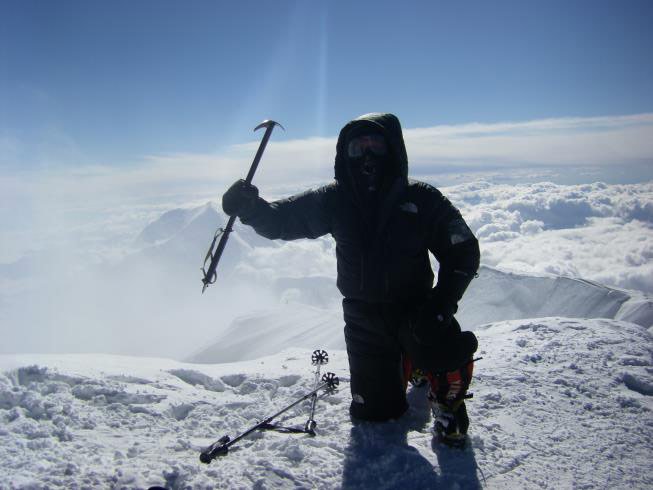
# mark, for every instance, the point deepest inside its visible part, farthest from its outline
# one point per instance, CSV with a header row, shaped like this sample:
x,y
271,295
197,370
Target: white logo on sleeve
x,y
459,232
409,207
358,399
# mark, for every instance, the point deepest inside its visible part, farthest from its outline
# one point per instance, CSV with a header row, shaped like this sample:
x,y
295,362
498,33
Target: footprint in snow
x,y
107,394
290,380
123,378
180,412
196,378
234,380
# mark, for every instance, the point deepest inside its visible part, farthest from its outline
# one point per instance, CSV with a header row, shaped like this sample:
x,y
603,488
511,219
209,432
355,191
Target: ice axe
x,y
214,253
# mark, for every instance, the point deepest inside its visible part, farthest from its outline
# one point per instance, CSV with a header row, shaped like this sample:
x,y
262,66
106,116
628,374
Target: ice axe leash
x,y
329,383
214,253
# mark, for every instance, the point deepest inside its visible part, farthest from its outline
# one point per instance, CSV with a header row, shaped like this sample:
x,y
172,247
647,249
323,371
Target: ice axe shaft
x,y
214,252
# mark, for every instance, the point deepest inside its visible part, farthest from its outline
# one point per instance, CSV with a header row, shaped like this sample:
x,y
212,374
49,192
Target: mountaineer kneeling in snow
x,y
385,224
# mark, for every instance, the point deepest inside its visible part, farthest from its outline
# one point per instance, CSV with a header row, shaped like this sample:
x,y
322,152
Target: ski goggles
x,y
375,143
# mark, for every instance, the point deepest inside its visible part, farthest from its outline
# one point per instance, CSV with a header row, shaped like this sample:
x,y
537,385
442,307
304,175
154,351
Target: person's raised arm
x,y
304,215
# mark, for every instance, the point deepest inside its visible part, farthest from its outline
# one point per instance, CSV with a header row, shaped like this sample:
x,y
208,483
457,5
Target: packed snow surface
x,y
558,403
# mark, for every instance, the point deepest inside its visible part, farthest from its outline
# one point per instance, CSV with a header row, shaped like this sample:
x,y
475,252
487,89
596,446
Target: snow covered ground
x,y
558,403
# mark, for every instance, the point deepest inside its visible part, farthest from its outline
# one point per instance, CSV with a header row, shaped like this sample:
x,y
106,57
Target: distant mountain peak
x,y
174,221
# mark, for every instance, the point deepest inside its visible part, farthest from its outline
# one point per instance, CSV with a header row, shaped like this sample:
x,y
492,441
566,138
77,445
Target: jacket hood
x,y
390,126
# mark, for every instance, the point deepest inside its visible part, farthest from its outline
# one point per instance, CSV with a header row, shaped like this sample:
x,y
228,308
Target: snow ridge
x,y
494,296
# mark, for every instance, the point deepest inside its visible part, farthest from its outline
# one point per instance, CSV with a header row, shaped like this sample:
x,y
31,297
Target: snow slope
x,y
559,403
497,295
494,296
268,332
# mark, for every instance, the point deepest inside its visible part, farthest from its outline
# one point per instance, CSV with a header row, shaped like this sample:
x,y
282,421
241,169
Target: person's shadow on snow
x,y
380,455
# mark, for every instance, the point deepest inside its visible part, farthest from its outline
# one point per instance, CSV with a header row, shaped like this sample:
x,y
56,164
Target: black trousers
x,y
378,337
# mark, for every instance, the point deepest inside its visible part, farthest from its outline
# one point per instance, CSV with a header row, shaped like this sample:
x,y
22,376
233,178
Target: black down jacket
x,y
382,256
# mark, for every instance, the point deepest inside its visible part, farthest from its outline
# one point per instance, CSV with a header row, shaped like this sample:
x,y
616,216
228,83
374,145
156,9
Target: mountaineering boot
x,y
447,399
450,421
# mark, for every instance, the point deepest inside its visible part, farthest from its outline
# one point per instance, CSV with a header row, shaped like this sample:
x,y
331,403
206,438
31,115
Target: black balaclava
x,y
369,172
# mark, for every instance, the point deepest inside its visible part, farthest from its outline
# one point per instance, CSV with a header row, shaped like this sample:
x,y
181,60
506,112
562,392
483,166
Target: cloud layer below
x,y
595,231
69,296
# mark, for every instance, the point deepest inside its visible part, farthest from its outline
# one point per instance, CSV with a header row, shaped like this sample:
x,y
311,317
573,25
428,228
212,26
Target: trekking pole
x,y
223,233
221,446
319,358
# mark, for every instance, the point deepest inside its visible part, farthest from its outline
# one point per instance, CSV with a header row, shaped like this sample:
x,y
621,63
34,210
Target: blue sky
x,y
110,82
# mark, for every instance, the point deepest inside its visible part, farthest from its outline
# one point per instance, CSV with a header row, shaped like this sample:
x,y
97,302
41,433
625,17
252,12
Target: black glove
x,y
432,322
239,198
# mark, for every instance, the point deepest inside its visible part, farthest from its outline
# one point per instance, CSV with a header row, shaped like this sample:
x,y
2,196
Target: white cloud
x,y
607,250
593,141
301,258
596,231
556,206
614,140
563,141
298,161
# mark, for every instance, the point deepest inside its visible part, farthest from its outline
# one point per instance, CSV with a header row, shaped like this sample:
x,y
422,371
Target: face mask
x,y
369,171
368,156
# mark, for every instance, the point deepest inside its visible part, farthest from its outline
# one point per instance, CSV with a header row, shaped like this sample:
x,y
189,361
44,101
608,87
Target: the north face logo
x,y
409,207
